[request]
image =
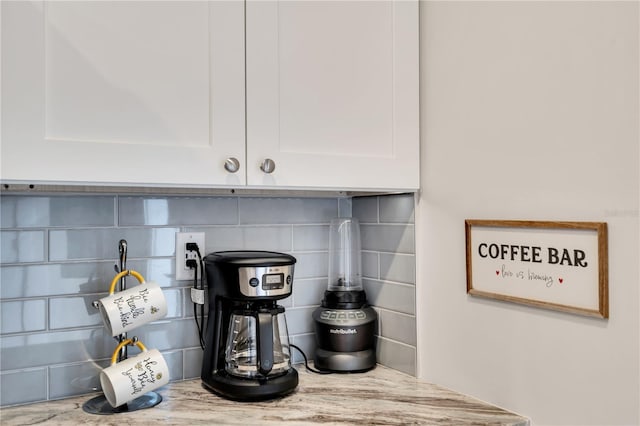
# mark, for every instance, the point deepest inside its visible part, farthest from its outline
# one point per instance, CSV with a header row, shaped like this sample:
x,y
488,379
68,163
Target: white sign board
x,y
555,265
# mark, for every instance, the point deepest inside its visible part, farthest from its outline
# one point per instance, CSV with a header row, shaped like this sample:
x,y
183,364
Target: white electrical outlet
x,y
182,254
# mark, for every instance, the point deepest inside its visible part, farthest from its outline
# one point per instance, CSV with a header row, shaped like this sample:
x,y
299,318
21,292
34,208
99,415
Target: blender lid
x,y
250,258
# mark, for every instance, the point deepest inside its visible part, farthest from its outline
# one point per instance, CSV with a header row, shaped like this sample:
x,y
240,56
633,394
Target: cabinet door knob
x,y
231,165
268,165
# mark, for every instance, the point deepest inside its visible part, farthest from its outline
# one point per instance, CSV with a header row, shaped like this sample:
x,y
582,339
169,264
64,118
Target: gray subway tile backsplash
x,y
74,311
345,207
370,264
59,252
306,342
78,311
275,238
168,334
26,386
192,363
81,244
175,360
287,210
22,246
22,316
174,299
397,326
397,209
396,297
310,237
75,379
388,267
54,279
366,209
388,238
396,355
160,271
308,291
174,211
311,265
398,267
299,320
265,237
57,211
54,347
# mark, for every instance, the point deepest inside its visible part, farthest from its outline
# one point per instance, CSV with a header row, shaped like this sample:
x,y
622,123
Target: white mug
x,y
131,308
129,379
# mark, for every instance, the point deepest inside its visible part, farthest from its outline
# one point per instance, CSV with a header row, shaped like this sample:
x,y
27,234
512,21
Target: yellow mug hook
x,y
138,343
139,277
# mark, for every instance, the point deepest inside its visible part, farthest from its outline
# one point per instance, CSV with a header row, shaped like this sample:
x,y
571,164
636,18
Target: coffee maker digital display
x,y
272,282
247,354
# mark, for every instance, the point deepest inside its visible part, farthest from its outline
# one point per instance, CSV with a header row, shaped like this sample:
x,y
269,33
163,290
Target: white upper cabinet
x,y
332,94
155,93
123,92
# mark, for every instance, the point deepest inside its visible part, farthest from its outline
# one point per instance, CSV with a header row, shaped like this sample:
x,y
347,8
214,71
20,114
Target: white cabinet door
x,y
123,92
332,93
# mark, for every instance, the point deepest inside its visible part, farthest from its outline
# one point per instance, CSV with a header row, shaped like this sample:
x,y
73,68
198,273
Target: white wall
x,y
530,110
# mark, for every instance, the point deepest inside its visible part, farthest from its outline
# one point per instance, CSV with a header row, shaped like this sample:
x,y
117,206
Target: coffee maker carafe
x,y
250,352
247,354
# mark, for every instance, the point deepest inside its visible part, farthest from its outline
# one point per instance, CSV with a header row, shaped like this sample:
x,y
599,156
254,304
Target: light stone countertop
x,y
379,397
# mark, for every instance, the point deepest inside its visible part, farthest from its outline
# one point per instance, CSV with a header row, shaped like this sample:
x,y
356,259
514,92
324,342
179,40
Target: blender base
x,y
346,362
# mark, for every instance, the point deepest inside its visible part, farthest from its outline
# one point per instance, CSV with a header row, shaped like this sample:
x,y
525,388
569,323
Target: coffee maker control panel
x,y
266,281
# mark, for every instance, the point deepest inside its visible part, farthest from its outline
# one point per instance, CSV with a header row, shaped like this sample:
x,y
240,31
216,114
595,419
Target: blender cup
x,y
345,269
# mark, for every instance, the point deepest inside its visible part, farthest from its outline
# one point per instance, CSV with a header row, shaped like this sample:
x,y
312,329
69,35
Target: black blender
x,y
247,354
345,324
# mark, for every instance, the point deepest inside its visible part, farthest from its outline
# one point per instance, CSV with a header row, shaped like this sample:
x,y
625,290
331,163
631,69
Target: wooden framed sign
x,y
554,265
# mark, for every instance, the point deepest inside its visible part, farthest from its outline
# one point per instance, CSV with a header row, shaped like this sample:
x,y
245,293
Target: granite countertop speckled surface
x,y
379,397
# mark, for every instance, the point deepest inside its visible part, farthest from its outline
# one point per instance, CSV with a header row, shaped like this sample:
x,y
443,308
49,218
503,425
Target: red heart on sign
x,y
560,279
497,272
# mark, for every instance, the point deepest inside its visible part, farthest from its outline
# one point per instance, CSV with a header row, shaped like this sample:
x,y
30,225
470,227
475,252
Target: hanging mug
x,y
131,308
126,380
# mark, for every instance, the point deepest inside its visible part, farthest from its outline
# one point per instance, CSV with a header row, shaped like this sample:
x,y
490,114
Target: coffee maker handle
x,y
265,342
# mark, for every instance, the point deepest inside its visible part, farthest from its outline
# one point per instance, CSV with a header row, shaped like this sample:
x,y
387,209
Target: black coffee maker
x,y
247,354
